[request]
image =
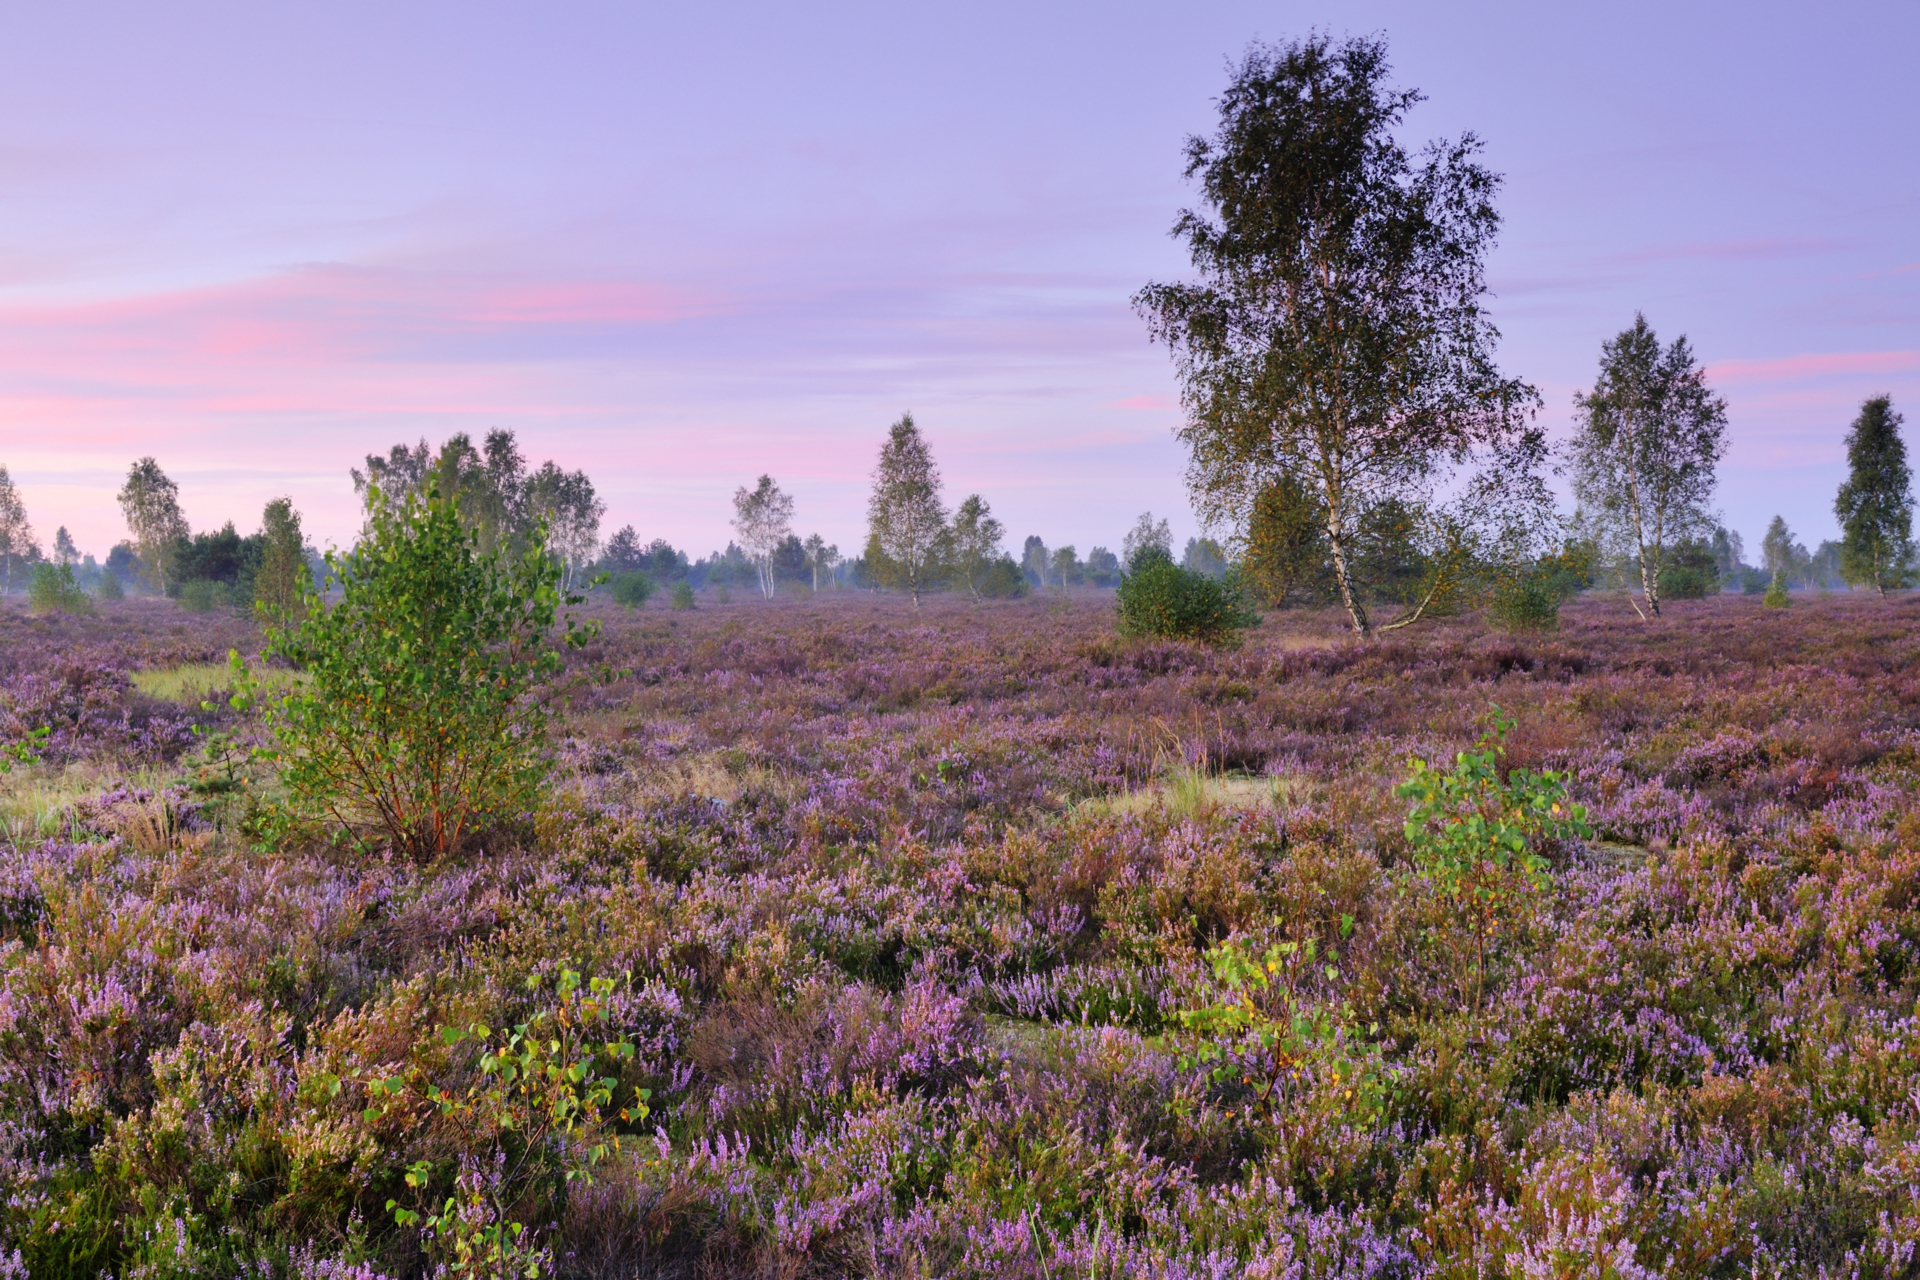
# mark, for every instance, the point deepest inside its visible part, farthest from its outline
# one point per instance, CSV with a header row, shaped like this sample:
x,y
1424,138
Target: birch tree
x,y
151,504
16,534
763,517
565,500
1648,438
1335,336
907,534
283,578
822,556
976,541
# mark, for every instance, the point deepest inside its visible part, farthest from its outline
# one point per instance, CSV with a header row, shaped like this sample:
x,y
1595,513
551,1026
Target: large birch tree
x,y
1335,337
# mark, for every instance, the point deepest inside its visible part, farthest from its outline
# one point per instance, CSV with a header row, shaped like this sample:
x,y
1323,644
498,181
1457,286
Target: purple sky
x,y
677,245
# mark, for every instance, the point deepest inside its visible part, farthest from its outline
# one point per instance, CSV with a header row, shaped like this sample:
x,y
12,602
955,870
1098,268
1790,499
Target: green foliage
x,y
1690,571
909,543
1159,598
1263,1032
1649,436
537,1106
283,578
1003,580
25,750
1776,597
1875,504
632,590
681,597
53,590
424,718
110,588
203,595
1335,332
1476,831
1526,601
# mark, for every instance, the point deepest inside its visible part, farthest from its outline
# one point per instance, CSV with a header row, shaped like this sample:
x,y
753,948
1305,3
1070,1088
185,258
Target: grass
x,y
1189,793
195,682
37,801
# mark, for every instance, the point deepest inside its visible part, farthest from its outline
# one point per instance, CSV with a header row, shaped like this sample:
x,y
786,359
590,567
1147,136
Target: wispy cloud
x,y
1824,365
1759,249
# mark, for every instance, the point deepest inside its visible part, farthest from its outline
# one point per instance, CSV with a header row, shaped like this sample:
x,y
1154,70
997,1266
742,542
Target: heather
x,y
978,940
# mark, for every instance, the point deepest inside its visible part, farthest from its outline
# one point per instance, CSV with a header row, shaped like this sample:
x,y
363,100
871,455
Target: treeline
x,y
221,568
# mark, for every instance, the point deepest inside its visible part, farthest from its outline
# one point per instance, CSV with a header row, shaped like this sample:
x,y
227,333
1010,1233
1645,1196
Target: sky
x,y
680,245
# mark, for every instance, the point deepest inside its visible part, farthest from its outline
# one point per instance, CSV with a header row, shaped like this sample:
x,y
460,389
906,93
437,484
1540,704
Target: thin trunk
x,y
1355,612
1342,575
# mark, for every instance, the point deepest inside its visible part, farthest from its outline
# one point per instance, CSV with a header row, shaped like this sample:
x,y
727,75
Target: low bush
x,y
204,595
110,588
1690,572
632,590
1477,832
1776,597
1159,598
1003,580
424,719
1528,601
53,590
681,597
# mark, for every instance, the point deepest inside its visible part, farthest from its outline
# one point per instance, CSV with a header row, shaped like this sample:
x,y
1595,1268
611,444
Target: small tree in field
x,y
1875,504
1649,436
151,504
423,716
763,517
1159,598
821,556
976,542
283,579
908,539
16,535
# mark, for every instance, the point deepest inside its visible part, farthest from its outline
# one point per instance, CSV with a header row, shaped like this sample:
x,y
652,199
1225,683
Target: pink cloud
x,y
325,314
1144,402
1824,365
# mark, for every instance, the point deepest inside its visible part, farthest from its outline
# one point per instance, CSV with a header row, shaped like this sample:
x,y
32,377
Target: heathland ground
x,y
978,941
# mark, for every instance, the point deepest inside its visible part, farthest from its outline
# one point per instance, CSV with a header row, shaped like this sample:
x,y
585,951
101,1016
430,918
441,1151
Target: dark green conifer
x,y
1875,504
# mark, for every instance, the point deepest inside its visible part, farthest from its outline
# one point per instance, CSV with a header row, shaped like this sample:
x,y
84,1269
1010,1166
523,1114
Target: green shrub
x,y
1159,598
1003,580
1776,597
541,1105
110,588
424,715
1526,601
1476,832
1690,572
681,597
1262,1033
632,589
53,590
203,595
